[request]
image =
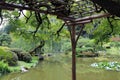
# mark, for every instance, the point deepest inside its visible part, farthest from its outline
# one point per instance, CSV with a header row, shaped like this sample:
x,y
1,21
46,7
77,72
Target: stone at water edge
x,y
24,69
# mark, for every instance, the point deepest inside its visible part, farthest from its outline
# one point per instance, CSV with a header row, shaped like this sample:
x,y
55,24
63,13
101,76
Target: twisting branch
x,y
24,15
19,14
58,31
69,28
29,17
46,17
82,27
39,20
1,17
111,26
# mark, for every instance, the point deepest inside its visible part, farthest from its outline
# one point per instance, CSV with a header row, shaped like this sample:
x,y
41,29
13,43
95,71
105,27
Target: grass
x,y
27,65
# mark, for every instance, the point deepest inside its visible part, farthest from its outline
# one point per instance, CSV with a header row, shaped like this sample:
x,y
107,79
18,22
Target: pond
x,y
60,69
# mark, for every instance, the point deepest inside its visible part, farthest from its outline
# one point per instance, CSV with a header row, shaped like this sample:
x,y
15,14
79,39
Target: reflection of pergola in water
x,y
71,21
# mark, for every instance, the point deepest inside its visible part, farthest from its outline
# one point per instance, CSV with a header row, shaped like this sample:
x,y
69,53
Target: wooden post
x,y
73,52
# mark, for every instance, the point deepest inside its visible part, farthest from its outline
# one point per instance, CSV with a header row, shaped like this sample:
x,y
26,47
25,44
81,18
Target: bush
x,y
27,57
8,56
85,42
22,56
4,68
5,39
84,49
13,60
16,50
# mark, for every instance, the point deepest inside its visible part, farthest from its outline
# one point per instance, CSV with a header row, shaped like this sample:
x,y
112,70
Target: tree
x,y
5,39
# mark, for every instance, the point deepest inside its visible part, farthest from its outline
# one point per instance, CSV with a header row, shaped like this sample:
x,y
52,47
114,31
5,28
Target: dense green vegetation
x,y
16,46
4,68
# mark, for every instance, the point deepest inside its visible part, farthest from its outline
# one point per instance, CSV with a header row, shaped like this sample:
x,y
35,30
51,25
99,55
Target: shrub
x,y
16,50
5,39
84,49
8,56
27,57
4,68
13,60
22,56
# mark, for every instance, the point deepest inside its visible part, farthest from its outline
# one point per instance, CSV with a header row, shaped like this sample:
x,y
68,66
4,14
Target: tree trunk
x,y
38,49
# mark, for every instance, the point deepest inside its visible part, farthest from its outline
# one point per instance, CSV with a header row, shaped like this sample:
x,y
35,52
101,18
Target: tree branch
x,y
82,27
58,31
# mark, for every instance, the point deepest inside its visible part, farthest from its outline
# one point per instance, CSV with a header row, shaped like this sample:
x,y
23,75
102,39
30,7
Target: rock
x,y
49,54
24,69
88,54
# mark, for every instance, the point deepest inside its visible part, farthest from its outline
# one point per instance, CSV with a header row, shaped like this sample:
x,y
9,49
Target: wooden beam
x,y
77,20
92,17
78,23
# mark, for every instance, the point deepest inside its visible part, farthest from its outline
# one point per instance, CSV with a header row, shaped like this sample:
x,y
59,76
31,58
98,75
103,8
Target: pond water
x,y
60,69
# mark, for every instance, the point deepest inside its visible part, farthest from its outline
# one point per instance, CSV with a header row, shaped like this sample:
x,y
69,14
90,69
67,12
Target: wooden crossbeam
x,y
85,20
92,17
78,23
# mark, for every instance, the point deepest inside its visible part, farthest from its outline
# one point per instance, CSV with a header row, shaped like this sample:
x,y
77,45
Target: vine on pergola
x,y
61,8
67,10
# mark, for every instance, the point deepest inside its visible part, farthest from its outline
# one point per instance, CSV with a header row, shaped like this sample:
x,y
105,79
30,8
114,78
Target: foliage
x,y
65,45
5,39
4,68
22,44
85,44
8,56
47,31
101,30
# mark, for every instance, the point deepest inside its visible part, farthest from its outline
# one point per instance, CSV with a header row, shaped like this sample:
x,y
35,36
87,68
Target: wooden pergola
x,y
72,24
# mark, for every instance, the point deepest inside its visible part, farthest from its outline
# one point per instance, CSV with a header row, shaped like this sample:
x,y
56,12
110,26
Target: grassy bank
x,y
17,68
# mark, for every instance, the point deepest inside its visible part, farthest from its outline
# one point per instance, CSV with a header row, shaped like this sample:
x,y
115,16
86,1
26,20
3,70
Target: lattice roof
x,y
65,9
